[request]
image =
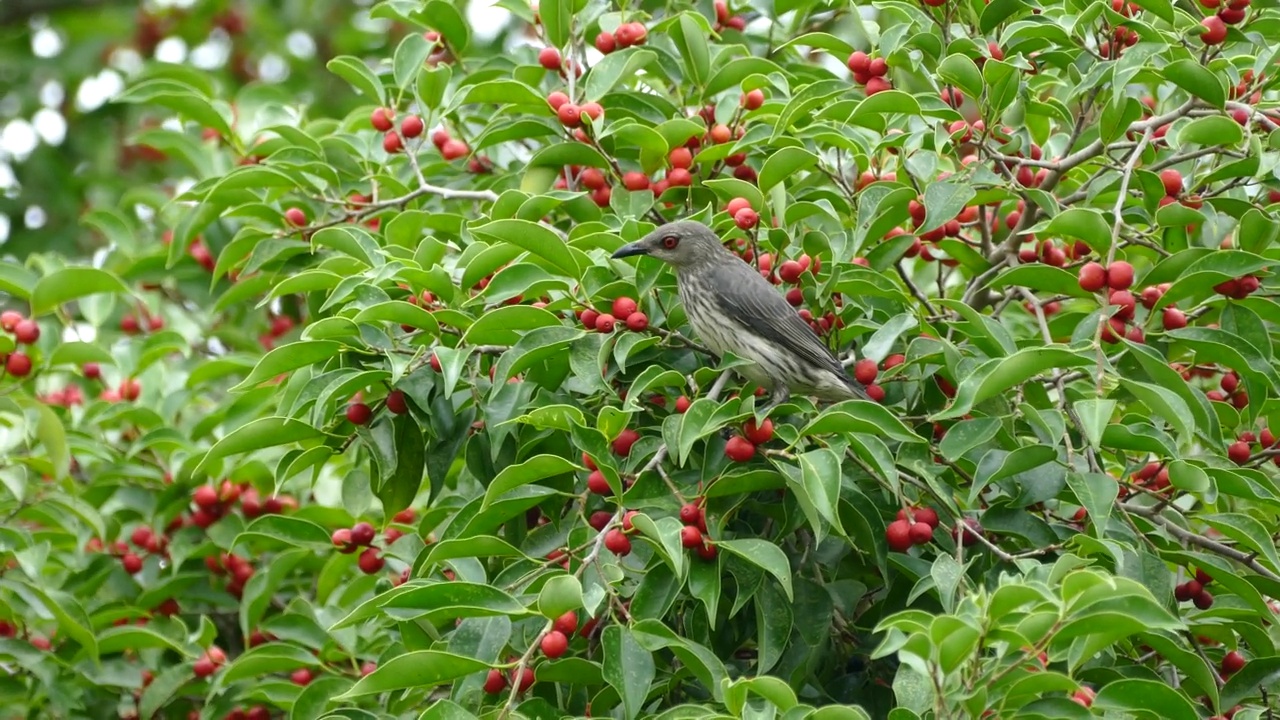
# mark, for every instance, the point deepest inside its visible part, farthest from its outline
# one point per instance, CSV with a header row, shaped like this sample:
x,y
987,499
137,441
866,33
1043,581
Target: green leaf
x,y
56,605
1197,80
995,376
539,467
1261,672
691,41
1210,131
967,435
628,668
50,433
1041,278
445,17
861,416
557,18
783,164
1095,414
275,657
534,238
288,358
72,283
258,434
615,66
1081,223
288,530
410,57
1096,492
435,600
1246,530
424,668
359,76
398,312
506,325
17,280
943,201
561,594
961,71
502,92
1145,696
765,555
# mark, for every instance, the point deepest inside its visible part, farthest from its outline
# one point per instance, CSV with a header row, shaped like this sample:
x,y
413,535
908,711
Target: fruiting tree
x,y
330,402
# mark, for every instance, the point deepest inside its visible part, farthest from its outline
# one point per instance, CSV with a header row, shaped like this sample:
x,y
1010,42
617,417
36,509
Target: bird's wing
x,y
742,294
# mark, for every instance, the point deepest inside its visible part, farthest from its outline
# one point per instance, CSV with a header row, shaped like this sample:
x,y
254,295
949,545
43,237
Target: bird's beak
x,y
635,248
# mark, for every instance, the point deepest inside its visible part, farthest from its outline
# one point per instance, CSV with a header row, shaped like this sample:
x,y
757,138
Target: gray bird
x,y
734,309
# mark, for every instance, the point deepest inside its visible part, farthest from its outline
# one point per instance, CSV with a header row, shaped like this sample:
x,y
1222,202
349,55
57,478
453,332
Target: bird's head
x,y
681,244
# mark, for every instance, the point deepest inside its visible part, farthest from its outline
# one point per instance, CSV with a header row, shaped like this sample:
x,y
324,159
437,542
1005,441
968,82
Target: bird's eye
x,y
670,242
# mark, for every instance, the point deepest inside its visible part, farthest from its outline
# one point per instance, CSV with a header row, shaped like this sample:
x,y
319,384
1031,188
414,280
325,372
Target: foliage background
x,y
182,453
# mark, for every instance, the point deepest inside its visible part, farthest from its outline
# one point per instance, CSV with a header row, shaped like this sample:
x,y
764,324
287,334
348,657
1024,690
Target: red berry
x,y
570,115
382,119
623,307
739,449
1093,277
206,496
9,319
301,676
605,43
1173,319
341,539
682,404
605,323
622,444
679,177
362,534
556,100
495,682
1232,663
359,413
203,667
370,562
921,533
391,143
635,181
566,623
1119,275
865,371
453,149
132,563
758,434
790,271
1172,180
746,218
554,644
396,402
18,364
1214,32
617,542
1204,600
295,216
1238,452
92,371
412,126
637,321
690,514
690,536
898,535
925,515
600,520
597,483
26,332
753,100
549,58
1203,577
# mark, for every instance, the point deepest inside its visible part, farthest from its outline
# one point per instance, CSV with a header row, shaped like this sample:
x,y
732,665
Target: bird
x,y
733,309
